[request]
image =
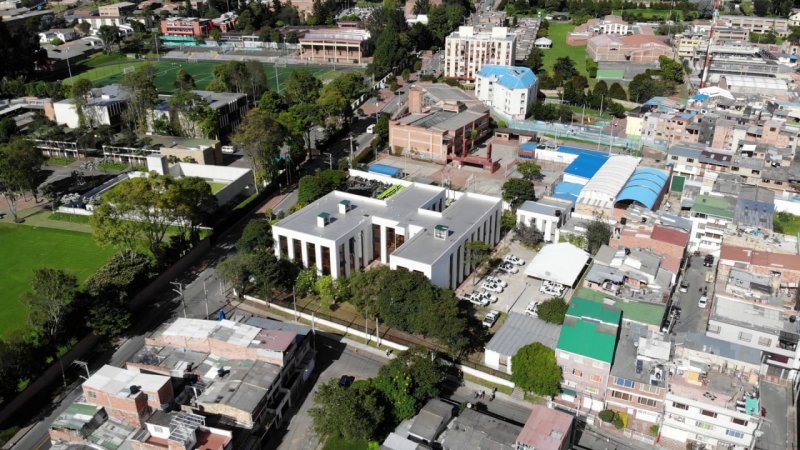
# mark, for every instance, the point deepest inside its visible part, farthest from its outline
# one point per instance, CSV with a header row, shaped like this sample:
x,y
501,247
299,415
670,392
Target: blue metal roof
x,y
586,165
644,187
567,191
385,170
579,151
528,146
510,77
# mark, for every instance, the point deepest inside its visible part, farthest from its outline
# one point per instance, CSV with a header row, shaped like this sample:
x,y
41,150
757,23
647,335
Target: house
x,y
342,233
104,106
545,429
548,215
755,24
712,215
543,42
120,9
509,91
127,396
636,48
64,34
441,125
431,420
473,429
608,25
180,431
468,49
585,352
640,232
334,45
517,331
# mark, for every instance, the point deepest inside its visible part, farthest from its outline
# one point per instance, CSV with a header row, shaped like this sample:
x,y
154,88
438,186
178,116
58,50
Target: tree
x,y
355,413
143,95
553,310
184,81
260,136
516,191
409,380
643,87
256,236
421,7
109,320
20,162
109,34
123,275
312,187
191,202
272,102
301,87
53,290
617,92
529,170
306,282
535,60
382,128
236,271
761,7
216,35
20,52
671,70
529,235
534,369
565,68
598,234
388,54
508,221
79,93
600,89
8,128
84,28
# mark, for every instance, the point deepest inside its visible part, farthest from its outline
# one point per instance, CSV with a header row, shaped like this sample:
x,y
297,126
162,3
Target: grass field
x,y
28,248
658,14
558,33
201,71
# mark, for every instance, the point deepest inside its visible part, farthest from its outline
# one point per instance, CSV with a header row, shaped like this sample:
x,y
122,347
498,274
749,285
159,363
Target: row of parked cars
x,y
492,285
552,288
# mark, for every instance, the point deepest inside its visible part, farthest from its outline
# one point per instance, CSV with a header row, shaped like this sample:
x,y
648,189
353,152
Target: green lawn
x,y
56,161
102,59
786,223
337,443
26,248
658,14
113,166
216,187
202,71
558,33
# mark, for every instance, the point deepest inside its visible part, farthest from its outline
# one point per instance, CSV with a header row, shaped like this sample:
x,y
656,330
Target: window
x,y
649,389
674,158
708,413
647,402
592,390
623,382
704,425
680,406
91,394
577,372
741,422
766,342
597,379
621,395
715,329
689,160
734,433
746,337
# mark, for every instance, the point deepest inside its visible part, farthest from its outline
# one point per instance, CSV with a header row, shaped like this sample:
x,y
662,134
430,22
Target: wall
x,y
240,181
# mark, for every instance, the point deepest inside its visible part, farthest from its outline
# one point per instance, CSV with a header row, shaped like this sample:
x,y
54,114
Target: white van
x,y
371,129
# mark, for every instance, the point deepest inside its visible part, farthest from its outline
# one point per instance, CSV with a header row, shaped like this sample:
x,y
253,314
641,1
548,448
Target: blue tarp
x,y
384,169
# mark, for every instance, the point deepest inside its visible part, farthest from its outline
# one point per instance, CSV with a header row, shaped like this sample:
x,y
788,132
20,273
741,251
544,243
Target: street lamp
x,y
178,289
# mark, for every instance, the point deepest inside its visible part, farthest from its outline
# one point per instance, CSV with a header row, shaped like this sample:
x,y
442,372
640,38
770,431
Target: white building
x,y
543,42
601,191
420,227
468,50
95,22
104,106
548,215
509,91
65,34
712,217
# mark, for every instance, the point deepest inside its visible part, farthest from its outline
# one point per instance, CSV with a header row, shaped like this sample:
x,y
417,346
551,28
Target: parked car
x,y
508,268
532,309
708,261
551,291
485,295
491,318
684,287
703,302
494,287
346,380
496,280
476,299
514,260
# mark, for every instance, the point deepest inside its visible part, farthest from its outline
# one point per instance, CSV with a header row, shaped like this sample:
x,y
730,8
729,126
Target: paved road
x,y
775,426
693,318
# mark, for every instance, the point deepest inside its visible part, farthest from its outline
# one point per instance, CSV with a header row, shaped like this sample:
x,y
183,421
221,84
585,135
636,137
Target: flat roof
x,y
634,363
117,381
234,333
475,430
404,207
586,338
520,330
561,262
585,309
586,165
243,387
546,429
646,313
715,205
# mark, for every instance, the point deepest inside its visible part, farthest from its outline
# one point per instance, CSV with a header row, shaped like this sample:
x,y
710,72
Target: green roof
x,y
610,74
584,338
580,307
646,313
82,408
714,205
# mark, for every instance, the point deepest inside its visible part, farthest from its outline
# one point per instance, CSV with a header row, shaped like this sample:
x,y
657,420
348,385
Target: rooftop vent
x,y
344,206
441,231
323,219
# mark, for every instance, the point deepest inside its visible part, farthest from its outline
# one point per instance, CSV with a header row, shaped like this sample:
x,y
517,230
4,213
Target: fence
x,y
386,336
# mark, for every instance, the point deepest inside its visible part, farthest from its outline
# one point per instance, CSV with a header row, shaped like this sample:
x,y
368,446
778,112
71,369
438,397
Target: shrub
x,y
553,310
607,415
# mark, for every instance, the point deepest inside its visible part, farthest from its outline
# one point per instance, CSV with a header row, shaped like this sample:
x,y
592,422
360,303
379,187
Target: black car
x,y
708,261
346,380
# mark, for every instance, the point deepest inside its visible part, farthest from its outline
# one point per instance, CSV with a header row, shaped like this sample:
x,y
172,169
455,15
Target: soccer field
x,y
26,248
201,71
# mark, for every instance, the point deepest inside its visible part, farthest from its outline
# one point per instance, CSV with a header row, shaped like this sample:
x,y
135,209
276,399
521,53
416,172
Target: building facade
x,y
468,49
509,91
185,27
337,45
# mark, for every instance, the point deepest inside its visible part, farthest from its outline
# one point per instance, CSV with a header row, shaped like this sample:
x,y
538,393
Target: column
x,y
347,257
318,257
304,252
335,261
384,256
290,242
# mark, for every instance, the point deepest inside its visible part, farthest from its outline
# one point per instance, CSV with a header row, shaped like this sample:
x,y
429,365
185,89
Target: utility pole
x,y
85,366
205,292
294,301
178,289
330,160
351,149
69,69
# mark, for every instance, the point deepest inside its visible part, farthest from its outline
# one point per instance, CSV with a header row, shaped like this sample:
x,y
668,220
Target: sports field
x,y
201,71
26,248
558,33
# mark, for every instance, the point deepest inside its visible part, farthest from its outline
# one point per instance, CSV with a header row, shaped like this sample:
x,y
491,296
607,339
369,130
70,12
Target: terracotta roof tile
x,y
670,236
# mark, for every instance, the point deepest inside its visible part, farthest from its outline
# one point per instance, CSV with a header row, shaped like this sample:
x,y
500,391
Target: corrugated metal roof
x,y
510,77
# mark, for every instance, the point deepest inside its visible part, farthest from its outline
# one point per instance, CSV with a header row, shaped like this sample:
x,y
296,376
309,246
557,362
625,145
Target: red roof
x,y
777,261
546,429
670,236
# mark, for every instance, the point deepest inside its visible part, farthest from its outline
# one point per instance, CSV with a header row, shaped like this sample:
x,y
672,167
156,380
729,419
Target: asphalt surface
x,y
693,318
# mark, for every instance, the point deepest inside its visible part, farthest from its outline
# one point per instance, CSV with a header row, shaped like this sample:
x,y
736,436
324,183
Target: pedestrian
x,y
483,394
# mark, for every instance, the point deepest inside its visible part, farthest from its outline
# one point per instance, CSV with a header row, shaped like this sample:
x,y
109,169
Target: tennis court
x,y
201,71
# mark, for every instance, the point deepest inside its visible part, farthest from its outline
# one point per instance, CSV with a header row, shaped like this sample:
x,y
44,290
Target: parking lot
x,y
521,290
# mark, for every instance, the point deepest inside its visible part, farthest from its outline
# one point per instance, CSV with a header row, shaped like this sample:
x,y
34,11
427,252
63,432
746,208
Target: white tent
x,y
560,263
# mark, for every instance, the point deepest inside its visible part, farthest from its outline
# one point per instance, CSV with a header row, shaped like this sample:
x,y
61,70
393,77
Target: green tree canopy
x,y
184,81
516,191
20,164
553,310
529,170
256,236
312,187
535,60
534,369
260,136
301,87
598,233
617,92
409,381
53,290
356,413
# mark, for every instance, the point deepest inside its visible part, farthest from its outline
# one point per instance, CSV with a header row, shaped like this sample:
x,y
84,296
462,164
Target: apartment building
x,y
342,233
633,274
712,217
191,27
334,45
667,241
439,125
120,9
229,107
468,49
755,305
548,215
637,48
610,24
509,91
687,45
754,24
638,383
585,352
712,401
